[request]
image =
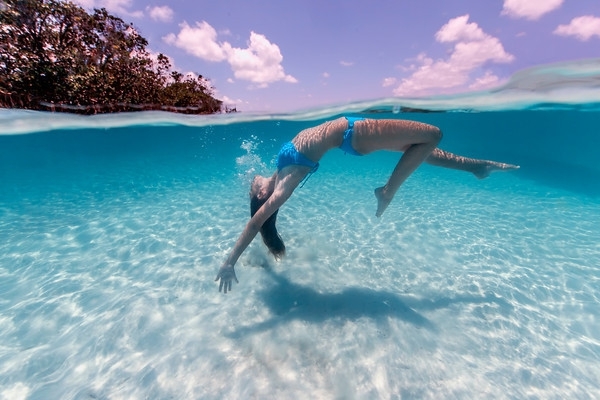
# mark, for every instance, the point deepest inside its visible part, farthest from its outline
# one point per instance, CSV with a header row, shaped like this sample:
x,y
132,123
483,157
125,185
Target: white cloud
x,y
259,63
529,9
459,30
160,13
231,102
473,49
583,28
346,63
488,80
199,41
326,75
389,82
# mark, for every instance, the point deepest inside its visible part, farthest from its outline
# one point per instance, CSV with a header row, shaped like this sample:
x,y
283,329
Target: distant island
x,y
54,56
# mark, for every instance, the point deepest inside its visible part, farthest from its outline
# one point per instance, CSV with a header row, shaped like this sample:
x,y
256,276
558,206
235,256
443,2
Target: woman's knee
x,y
436,134
428,133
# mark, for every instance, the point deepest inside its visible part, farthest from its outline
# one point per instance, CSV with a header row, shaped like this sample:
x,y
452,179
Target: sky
x,y
292,55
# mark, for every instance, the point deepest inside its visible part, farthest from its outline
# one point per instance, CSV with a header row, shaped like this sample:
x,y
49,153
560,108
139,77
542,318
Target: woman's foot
x,y
382,201
484,170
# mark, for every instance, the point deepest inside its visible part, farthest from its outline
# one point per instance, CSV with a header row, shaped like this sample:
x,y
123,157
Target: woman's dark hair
x,y
268,231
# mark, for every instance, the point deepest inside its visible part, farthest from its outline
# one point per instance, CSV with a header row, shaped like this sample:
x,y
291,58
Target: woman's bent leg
x,y
410,160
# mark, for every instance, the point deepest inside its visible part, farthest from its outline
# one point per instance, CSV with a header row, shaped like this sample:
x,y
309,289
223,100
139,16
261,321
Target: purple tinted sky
x,y
278,56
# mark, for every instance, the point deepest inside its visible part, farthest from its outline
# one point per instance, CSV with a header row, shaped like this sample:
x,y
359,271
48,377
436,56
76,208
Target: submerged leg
x,y
480,168
410,160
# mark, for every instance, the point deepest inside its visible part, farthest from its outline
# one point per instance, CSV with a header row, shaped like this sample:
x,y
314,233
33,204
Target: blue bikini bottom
x,y
347,142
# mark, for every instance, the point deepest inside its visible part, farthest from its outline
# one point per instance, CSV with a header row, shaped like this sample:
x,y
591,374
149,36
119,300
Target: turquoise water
x,y
112,229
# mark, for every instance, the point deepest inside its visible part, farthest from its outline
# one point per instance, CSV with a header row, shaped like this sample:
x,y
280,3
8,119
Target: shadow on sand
x,y
288,301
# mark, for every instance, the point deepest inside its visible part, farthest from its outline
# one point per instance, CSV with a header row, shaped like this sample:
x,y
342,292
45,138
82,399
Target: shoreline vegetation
x,y
55,56
15,101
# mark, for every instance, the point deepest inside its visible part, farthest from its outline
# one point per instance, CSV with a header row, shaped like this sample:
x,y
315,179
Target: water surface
x,y
112,229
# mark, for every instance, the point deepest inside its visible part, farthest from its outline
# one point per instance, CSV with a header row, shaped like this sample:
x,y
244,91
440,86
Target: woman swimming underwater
x,y
358,136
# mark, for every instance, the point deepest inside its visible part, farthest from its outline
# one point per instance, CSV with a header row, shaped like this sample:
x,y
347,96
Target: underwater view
x,y
113,228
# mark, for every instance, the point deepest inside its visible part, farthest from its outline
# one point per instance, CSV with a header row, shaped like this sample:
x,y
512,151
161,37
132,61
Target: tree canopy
x,y
54,55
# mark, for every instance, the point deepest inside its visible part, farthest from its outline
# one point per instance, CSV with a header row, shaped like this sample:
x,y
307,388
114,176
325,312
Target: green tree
x,y
53,51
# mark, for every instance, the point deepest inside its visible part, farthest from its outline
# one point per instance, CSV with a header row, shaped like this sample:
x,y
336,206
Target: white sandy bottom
x,y
462,289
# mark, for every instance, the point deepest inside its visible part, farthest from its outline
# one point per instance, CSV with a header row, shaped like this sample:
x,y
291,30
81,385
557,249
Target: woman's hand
x,y
226,275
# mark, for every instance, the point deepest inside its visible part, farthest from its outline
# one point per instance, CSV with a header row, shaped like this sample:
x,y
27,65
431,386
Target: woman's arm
x,y
284,187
